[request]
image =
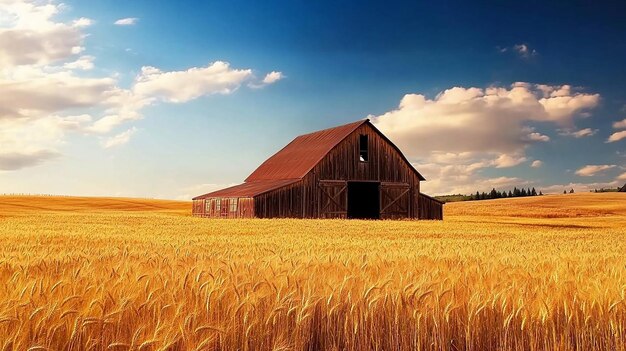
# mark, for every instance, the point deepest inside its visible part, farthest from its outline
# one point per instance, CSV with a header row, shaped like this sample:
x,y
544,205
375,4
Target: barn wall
x,y
209,208
385,164
430,208
285,202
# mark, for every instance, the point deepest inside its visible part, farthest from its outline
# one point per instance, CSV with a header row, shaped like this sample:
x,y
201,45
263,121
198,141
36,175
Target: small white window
x,y
233,204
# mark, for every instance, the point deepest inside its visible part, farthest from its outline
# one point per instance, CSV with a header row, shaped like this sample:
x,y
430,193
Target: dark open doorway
x,y
363,200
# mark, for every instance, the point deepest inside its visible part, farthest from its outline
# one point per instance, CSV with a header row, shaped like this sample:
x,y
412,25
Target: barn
x,y
349,171
622,189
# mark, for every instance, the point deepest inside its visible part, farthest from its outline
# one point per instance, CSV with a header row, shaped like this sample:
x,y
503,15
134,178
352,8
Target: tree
x,y
571,191
540,193
504,196
484,195
533,192
523,192
493,194
477,197
564,191
516,192
528,193
510,193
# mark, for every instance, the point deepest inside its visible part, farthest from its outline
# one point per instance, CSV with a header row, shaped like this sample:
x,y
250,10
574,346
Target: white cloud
x,y
505,161
182,86
523,50
617,136
129,21
28,34
45,94
84,63
119,139
587,132
620,124
536,164
591,170
464,130
273,77
479,120
82,22
622,176
538,137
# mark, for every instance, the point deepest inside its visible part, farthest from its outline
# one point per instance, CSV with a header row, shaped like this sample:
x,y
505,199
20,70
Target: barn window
x,y
363,148
207,205
233,205
218,205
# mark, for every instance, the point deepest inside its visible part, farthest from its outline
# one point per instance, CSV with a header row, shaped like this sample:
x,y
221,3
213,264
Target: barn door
x,y
333,199
395,200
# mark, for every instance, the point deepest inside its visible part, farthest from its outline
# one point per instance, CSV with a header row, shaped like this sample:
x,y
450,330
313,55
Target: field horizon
x,y
538,273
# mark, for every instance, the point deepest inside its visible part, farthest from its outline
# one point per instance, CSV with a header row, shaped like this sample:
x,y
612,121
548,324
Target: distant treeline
x,y
608,190
493,194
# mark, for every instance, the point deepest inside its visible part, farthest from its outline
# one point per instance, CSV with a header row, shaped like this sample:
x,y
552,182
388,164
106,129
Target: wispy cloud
x,y
620,124
617,136
128,21
119,139
587,132
522,50
592,170
536,164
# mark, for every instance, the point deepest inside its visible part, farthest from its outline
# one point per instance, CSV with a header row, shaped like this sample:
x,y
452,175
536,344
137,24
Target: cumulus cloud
x,y
622,176
592,170
617,136
482,120
119,139
128,21
182,86
587,132
536,164
30,36
483,127
45,93
620,124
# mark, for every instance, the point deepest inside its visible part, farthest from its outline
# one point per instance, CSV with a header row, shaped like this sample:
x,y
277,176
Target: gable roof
x,y
296,160
303,153
623,189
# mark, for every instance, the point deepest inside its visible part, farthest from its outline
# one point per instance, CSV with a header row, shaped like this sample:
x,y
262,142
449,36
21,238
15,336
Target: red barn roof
x,y
295,160
249,189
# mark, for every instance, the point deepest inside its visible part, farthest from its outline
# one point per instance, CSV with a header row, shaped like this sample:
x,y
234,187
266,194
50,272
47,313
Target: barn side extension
x,y
350,171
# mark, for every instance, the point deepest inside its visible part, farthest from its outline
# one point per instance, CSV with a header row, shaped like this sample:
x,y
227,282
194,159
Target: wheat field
x,y
541,273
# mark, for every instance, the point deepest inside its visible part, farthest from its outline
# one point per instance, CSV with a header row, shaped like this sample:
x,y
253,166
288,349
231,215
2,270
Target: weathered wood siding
x,y
385,164
242,207
322,193
430,208
285,202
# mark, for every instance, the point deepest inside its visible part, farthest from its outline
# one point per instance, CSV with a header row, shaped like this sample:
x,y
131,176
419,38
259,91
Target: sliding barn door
x,y
395,199
333,196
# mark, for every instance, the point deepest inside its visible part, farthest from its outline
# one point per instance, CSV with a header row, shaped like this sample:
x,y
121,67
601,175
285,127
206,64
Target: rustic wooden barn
x,y
350,171
622,189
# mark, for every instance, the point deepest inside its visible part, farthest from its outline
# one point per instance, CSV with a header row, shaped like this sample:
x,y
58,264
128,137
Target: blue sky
x,y
180,98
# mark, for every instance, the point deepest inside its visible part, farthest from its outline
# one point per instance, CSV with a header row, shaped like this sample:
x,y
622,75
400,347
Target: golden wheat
x,y
547,273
